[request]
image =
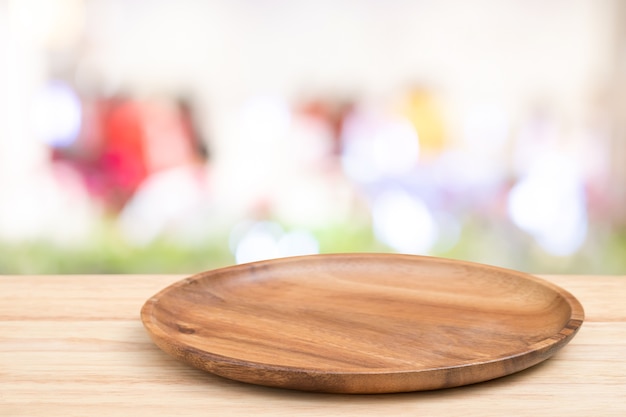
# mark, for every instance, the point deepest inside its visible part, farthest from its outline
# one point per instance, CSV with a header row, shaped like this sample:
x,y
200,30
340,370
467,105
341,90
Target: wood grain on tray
x,y
362,323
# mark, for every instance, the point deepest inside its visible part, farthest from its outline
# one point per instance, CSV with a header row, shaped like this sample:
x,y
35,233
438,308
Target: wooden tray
x,y
362,323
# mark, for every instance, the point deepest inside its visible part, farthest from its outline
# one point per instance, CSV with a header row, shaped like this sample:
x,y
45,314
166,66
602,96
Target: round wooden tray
x,y
362,323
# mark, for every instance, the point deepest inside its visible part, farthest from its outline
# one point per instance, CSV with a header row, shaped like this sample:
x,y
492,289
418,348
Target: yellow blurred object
x,y
421,109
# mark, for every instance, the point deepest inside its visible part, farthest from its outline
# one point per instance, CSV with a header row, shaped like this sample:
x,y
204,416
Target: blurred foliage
x,y
109,257
602,253
480,241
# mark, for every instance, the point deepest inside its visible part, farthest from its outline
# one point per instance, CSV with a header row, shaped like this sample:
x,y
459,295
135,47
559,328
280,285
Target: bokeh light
x,y
57,115
378,147
256,241
550,204
404,222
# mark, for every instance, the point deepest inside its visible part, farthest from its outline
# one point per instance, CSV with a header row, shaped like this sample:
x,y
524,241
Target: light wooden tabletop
x,y
75,346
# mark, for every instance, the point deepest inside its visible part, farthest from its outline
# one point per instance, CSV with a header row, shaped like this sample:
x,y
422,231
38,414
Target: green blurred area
x,y
108,253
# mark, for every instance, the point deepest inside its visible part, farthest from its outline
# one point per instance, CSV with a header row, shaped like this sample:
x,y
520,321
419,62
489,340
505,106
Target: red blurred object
x,y
122,160
333,113
124,141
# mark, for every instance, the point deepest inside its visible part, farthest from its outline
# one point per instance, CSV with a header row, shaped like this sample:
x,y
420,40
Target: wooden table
x,y
74,346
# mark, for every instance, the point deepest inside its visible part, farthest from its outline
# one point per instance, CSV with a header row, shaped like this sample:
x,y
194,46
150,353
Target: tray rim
x,y
545,348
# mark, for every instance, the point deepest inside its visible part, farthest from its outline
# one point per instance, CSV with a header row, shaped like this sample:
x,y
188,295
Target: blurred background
x,y
157,136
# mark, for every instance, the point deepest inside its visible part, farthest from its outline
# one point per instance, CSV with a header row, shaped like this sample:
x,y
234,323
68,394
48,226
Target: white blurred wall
x,y
510,52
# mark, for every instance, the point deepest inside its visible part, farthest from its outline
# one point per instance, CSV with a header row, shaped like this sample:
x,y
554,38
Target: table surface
x,y
75,346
